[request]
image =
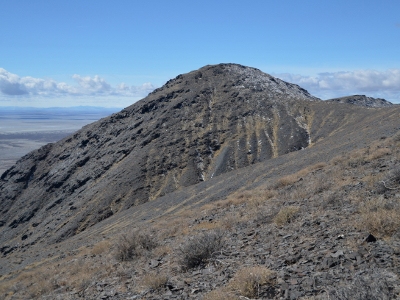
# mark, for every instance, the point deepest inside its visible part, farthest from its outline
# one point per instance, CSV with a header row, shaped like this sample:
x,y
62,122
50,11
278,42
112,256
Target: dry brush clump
x,y
133,245
198,251
154,281
248,281
286,215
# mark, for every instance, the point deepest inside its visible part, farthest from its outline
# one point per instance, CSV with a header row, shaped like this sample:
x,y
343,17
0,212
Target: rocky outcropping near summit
x,y
197,126
362,100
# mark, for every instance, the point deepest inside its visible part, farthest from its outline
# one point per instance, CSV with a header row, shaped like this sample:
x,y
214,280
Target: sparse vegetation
x,y
221,294
378,284
286,180
392,181
381,216
333,205
101,247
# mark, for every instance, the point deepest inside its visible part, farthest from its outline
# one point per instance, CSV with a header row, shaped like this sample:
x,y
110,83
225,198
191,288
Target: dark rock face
x,y
362,100
197,126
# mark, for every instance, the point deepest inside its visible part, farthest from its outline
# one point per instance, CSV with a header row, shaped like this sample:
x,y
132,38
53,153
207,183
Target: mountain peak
x,y
362,100
197,126
239,77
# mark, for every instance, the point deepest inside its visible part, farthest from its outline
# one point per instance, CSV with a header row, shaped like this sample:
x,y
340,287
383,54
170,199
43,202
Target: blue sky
x,y
112,53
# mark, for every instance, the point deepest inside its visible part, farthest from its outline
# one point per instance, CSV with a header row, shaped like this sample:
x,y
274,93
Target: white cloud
x,y
383,84
92,85
16,90
13,85
10,84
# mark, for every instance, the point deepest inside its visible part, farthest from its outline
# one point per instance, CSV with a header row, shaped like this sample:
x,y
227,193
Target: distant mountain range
x,y
54,112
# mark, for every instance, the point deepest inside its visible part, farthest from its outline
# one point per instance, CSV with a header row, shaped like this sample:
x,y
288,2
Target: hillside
x,y
324,230
258,174
199,125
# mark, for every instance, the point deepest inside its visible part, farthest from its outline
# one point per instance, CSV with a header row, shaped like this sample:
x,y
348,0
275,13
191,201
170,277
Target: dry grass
x,y
154,281
73,274
176,225
379,153
221,294
380,217
286,180
207,226
101,247
286,215
230,220
373,179
318,166
291,179
326,187
161,251
133,245
32,284
248,281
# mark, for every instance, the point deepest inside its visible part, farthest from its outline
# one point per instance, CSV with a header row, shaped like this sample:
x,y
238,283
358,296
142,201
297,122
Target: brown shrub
x,y
249,280
286,215
200,249
133,245
154,281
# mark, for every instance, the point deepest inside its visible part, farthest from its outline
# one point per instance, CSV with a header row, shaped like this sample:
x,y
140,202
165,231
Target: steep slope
x,y
197,126
362,100
319,252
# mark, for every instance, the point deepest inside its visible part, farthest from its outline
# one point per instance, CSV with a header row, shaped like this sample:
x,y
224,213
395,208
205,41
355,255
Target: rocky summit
x,y
362,100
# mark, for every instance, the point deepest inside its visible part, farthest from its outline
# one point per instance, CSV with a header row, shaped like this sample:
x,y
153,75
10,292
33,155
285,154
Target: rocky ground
x,y
329,231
